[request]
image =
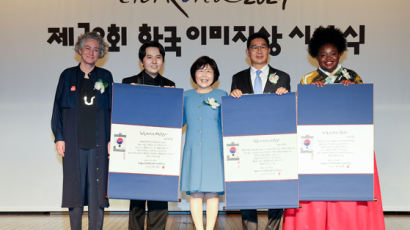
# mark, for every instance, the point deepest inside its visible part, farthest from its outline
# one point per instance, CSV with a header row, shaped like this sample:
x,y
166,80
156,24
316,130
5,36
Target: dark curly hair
x,y
329,35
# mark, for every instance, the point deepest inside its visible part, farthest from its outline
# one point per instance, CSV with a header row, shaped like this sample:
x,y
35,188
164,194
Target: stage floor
x,y
119,221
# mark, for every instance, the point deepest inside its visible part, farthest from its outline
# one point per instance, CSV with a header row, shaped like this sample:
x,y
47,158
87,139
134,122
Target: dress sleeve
x,y
108,121
357,79
110,83
56,118
308,78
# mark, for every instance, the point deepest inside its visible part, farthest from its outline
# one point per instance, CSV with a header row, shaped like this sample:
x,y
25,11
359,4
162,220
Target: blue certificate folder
x,y
335,104
148,106
259,115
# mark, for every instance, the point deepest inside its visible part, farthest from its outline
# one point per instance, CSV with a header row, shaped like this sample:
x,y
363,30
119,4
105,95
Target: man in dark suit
x,y
260,78
152,56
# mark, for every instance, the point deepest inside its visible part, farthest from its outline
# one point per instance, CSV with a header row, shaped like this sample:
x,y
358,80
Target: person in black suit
x,y
260,78
152,56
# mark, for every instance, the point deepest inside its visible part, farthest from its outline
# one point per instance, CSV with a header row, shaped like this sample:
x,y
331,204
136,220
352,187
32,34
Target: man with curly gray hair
x,y
81,127
102,46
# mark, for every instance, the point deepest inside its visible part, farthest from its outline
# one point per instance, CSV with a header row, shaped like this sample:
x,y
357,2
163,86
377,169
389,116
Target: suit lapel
x,y
269,87
248,82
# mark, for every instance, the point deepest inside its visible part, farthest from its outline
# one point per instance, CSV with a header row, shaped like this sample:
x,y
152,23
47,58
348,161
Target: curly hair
x,y
329,35
91,35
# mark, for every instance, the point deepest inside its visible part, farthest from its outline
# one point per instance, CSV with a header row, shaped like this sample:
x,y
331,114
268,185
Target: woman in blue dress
x,y
202,164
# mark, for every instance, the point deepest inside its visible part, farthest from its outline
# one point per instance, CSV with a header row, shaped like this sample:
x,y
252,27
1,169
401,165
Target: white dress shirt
x,y
263,75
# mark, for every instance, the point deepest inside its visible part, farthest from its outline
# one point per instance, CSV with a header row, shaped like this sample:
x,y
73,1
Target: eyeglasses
x,y
257,47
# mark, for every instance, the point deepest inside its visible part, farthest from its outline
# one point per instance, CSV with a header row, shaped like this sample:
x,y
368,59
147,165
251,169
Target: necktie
x,y
257,85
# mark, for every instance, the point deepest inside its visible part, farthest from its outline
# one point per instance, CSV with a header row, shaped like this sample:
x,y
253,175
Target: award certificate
x,y
260,157
335,149
145,149
336,142
260,151
146,139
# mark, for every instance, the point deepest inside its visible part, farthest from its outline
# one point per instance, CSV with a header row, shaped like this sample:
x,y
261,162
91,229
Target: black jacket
x,y
64,125
144,79
242,81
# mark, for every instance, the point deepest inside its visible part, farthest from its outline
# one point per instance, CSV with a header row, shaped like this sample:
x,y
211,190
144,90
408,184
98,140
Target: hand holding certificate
x,y
260,152
336,142
145,144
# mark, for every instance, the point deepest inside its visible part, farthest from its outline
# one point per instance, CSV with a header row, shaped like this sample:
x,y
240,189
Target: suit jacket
x,y
144,79
242,81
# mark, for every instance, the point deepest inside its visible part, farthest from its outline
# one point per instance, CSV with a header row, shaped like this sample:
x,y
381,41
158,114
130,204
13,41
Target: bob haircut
x,y
329,35
256,35
142,52
200,63
79,45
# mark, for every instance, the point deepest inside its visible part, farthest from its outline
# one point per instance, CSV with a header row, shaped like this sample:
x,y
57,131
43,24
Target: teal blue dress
x,y
202,163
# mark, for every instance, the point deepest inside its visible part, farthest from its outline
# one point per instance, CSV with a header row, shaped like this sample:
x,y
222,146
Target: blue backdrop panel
x,y
342,187
335,104
262,194
258,115
142,187
149,106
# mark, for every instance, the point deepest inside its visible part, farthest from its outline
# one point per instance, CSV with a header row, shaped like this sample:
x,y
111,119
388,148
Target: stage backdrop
x,y
37,41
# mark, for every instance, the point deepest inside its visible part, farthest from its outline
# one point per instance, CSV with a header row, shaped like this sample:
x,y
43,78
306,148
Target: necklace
x,y
91,101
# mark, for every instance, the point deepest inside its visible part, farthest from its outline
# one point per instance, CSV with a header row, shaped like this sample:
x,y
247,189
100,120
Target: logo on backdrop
x,y
179,3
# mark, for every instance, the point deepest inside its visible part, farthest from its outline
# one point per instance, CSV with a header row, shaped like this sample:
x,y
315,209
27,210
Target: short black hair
x,y
257,35
142,51
329,35
202,62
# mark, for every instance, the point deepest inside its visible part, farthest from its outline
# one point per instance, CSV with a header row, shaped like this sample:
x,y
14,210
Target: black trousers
x,y
250,219
156,218
88,192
